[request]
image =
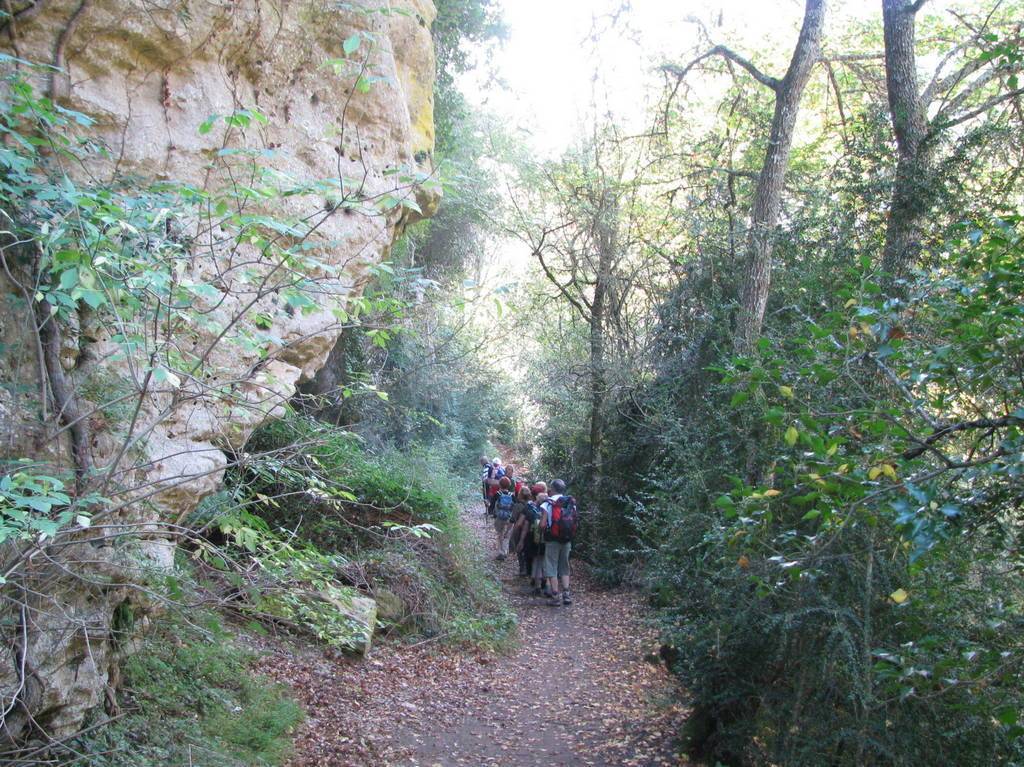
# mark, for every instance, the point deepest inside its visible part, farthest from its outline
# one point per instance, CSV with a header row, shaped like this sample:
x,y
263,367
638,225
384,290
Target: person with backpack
x,y
488,469
517,483
520,511
501,508
560,522
491,488
528,539
540,586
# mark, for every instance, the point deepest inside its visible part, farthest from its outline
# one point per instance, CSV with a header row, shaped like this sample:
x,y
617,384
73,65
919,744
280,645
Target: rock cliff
x,y
331,99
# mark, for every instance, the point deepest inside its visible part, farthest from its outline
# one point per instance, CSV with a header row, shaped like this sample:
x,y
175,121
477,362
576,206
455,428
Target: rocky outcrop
x,y
346,93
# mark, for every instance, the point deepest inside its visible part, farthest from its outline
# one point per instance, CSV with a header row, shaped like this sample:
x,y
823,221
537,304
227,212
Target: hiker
x,y
501,508
491,488
498,470
540,586
517,484
488,469
521,519
560,520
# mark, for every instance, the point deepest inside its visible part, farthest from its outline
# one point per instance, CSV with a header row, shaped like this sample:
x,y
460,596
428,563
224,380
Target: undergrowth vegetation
x,y
189,698
389,521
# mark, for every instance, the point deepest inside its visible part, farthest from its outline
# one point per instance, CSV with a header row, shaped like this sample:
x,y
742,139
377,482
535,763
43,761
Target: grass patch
x,y
190,699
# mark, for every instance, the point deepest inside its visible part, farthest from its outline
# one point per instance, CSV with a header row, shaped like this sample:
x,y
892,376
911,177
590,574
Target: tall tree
x,y
975,84
586,246
582,232
771,180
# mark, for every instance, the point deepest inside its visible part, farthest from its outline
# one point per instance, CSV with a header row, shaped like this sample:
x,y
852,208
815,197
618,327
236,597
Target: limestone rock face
x,y
150,74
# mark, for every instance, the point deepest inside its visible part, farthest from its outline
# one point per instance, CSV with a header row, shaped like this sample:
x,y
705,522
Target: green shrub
x,y
828,550
189,698
389,519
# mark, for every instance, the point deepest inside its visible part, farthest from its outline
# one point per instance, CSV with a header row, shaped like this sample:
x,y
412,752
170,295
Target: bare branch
x,y
728,53
848,57
752,175
943,432
539,253
980,109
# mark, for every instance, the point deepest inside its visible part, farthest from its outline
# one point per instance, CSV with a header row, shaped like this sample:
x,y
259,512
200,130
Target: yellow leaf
x,y
832,449
786,391
843,468
791,435
899,596
889,470
853,331
772,493
866,329
851,302
755,495
874,472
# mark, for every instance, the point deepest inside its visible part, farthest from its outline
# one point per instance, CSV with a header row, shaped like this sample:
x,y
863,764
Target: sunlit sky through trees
x,y
568,65
563,58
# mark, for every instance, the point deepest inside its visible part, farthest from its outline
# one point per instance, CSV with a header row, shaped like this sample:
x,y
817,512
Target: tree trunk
x,y
913,186
606,244
770,182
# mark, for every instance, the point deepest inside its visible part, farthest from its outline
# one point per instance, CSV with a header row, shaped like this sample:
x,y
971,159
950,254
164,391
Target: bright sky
x,y
550,60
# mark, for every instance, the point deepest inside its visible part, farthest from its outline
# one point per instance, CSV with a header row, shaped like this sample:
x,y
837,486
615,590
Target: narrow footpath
x,y
575,692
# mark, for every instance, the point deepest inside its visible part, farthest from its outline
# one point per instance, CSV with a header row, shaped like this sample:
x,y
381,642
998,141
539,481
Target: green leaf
x,y
1007,715
69,278
791,436
351,44
207,125
94,298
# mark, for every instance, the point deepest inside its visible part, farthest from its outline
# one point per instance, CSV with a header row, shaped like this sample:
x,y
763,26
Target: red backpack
x,y
565,519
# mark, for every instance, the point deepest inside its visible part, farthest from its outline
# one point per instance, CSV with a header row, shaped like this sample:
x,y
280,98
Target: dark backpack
x,y
536,531
565,519
503,506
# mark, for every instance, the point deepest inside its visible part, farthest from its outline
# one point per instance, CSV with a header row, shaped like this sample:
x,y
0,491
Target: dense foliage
x,y
829,524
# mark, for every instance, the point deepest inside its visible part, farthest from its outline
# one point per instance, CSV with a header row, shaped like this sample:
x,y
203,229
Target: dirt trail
x,y
591,700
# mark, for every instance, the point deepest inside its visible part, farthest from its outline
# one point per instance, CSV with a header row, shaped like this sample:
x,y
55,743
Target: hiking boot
x,y
555,600
566,598
537,591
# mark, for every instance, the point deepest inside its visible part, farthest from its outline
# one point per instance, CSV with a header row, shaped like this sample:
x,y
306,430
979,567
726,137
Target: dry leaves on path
x,y
576,691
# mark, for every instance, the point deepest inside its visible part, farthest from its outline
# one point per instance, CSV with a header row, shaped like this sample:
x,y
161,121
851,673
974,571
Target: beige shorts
x,y
556,559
